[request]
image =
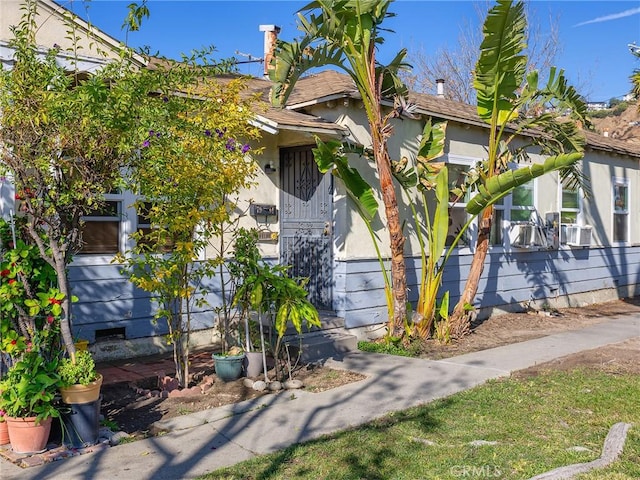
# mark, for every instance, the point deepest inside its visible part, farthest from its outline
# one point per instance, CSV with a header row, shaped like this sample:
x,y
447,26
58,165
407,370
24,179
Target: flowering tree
x,y
64,141
191,164
30,302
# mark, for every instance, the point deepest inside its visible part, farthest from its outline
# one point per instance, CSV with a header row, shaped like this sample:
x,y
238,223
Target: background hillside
x,y
620,124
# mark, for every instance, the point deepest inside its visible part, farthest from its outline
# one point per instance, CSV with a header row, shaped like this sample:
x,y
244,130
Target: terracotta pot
x,y
82,393
26,437
4,433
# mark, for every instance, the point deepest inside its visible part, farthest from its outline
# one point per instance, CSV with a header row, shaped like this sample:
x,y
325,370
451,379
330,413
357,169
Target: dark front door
x,y
306,224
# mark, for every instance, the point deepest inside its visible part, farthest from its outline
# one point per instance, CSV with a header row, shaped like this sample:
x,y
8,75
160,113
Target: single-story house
x,y
549,245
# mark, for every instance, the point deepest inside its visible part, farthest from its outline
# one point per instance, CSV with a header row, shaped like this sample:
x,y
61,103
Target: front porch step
x,y
321,345
329,340
328,321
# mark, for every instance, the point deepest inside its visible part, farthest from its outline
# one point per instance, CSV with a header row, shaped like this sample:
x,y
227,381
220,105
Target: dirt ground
x,y
134,413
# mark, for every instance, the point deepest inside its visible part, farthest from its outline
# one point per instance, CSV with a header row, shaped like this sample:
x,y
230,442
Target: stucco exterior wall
x,y
53,29
601,169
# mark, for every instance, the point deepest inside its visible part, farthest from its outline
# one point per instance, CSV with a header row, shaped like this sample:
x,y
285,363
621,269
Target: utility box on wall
x,y
552,221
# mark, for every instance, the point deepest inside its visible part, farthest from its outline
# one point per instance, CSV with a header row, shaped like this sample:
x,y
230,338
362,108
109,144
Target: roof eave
x,y
270,126
93,31
326,98
337,132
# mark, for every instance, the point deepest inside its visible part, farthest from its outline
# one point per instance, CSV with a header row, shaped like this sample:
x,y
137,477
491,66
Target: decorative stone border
x,y
611,450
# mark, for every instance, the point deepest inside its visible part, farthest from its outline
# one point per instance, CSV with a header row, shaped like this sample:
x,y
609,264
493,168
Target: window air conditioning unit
x,y
526,236
578,236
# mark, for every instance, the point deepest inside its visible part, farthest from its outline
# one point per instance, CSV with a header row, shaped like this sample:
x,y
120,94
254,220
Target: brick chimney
x,y
270,37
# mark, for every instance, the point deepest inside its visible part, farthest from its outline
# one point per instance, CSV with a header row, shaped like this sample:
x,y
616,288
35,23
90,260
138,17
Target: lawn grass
x,y
534,422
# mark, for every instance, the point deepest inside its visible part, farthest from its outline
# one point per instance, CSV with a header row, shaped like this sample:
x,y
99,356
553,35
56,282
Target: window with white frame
x,y
569,205
101,232
569,210
458,169
620,210
518,207
145,229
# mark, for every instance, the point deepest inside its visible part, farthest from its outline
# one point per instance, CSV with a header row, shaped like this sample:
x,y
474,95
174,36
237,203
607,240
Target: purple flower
x,y
245,148
146,143
165,99
230,145
158,134
207,132
221,132
151,133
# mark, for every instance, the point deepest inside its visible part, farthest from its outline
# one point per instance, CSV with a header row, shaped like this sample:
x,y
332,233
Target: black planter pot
x,y
80,423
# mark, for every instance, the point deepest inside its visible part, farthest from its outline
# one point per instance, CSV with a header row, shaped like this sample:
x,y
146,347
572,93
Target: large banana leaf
x,y
501,67
292,60
498,186
336,33
329,156
441,218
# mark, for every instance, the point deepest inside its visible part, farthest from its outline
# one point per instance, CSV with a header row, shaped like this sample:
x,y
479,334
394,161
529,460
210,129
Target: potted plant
x,y
243,268
268,291
4,430
80,391
80,382
228,366
27,395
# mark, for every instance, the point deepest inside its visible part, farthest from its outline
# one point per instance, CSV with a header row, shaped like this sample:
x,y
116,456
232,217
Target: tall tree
x,y
346,34
193,161
455,64
64,140
504,92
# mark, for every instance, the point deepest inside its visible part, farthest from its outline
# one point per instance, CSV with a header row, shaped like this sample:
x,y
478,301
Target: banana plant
x,y
346,34
498,186
426,175
506,96
431,231
270,291
331,156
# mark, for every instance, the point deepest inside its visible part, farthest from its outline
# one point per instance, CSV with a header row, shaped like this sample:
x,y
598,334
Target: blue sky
x,y
593,35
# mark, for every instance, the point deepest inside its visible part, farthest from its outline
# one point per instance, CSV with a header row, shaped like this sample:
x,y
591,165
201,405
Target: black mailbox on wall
x,y
258,209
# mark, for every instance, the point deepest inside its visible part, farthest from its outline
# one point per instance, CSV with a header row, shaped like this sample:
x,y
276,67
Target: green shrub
x,y
600,114
390,349
619,109
82,372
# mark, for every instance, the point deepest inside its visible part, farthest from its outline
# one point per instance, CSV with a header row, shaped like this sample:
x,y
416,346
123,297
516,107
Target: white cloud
x,y
613,16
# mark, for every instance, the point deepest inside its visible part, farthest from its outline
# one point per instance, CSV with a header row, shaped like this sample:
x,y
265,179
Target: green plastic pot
x,y
228,367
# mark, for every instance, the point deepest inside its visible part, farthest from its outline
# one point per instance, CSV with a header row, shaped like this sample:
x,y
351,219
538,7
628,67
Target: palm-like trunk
x,y
396,238
460,319
380,129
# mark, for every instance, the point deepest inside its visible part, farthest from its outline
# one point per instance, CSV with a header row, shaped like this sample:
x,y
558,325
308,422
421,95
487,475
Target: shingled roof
x,y
321,87
330,84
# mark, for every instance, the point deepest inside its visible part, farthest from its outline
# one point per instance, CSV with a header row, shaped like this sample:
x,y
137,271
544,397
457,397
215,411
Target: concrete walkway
x,y
205,441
